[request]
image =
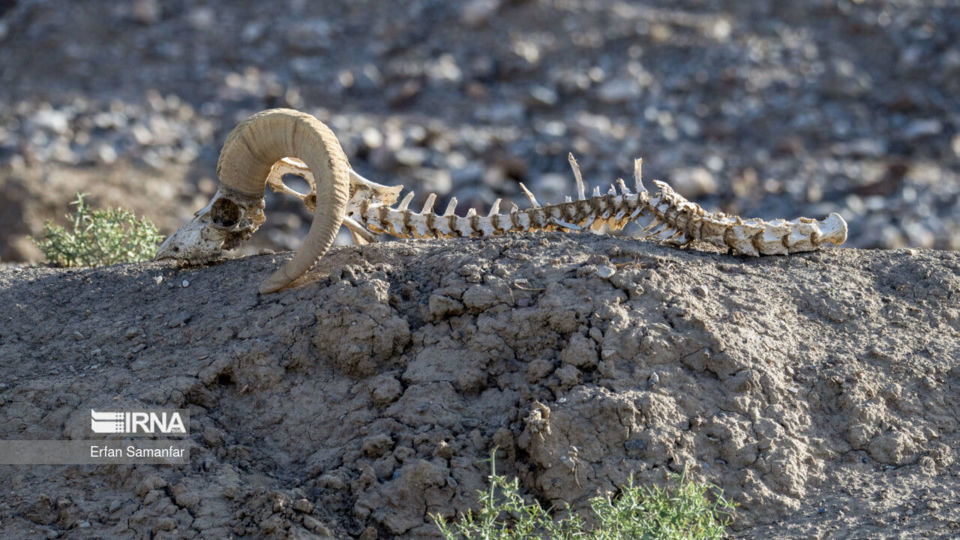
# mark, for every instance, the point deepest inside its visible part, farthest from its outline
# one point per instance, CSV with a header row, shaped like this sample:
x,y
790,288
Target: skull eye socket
x,y
225,213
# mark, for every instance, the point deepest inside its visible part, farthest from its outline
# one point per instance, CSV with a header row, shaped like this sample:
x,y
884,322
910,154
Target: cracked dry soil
x,y
820,391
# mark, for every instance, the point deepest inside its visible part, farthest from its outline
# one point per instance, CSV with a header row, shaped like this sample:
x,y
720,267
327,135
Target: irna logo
x,y
136,422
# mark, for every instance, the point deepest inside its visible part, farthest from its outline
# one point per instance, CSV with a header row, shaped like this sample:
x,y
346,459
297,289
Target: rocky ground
x,y
757,108
821,391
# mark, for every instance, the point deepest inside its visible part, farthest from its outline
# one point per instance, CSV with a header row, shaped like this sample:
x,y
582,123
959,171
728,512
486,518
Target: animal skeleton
x,y
275,142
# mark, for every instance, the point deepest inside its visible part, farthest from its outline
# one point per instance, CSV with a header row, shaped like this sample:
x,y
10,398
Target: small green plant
x,y
99,238
683,512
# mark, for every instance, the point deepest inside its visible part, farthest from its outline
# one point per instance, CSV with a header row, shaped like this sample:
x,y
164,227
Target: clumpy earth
x,y
821,391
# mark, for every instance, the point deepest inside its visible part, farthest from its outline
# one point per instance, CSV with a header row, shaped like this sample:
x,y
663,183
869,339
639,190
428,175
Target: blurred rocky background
x,y
769,109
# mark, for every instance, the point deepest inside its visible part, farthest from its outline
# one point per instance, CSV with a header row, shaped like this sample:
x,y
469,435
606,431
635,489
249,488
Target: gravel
x,y
758,109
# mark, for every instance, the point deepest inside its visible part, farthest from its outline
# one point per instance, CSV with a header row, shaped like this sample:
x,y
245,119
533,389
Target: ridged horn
x,y
263,139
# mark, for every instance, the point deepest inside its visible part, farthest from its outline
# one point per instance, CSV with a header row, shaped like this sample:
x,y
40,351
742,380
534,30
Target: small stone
x,y
606,271
654,379
201,18
181,319
922,128
619,90
541,95
145,11
106,154
693,182
371,136
502,113
158,280
185,283
410,157
403,94
443,450
435,180
955,145
252,31
51,120
477,13
280,501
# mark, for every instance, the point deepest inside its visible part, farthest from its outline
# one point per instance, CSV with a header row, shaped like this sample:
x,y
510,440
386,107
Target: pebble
x,y
693,182
922,128
201,18
620,90
541,95
145,11
606,271
476,13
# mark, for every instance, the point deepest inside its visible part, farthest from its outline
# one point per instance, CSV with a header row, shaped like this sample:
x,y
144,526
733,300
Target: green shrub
x,y
682,512
99,238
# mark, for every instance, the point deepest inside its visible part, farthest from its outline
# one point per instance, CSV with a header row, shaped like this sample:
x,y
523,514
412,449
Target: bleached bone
x,y
428,204
682,221
581,188
451,207
405,202
638,175
294,166
276,142
533,200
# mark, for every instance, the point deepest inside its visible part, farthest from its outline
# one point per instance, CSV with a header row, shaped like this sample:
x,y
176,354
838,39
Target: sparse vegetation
x,y
99,238
681,512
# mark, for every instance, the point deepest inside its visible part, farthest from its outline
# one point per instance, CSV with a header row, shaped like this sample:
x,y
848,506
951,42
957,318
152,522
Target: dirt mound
x,y
820,391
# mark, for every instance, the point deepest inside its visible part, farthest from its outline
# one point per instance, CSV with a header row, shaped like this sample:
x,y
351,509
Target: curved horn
x,y
263,139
